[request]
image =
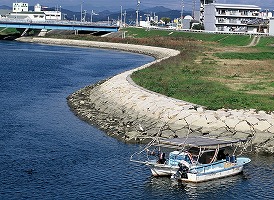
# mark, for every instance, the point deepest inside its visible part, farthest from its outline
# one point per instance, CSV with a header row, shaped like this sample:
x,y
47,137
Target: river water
x,y
48,153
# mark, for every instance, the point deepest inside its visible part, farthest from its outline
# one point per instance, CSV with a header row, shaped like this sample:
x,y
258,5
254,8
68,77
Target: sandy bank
x,y
127,111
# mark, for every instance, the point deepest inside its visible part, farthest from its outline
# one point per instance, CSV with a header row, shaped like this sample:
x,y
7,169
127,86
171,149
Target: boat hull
x,y
162,169
200,173
196,178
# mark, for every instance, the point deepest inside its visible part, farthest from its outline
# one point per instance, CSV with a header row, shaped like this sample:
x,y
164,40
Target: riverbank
x,y
129,112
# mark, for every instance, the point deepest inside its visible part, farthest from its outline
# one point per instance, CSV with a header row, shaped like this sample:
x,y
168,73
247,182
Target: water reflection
x,y
160,186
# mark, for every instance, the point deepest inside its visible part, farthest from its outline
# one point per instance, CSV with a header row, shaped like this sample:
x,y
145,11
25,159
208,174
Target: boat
x,y
193,159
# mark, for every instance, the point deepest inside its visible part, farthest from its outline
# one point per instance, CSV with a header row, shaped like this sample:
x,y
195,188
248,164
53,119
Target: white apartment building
x,y
230,17
21,11
49,15
20,7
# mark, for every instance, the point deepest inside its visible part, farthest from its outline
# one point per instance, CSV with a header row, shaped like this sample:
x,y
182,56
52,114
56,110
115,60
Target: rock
x,y
243,126
218,132
240,135
201,121
177,126
231,122
261,138
191,119
132,136
271,129
262,126
252,120
167,134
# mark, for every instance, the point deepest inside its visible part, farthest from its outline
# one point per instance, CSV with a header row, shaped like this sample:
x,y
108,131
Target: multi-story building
x,y
230,17
49,15
20,7
21,11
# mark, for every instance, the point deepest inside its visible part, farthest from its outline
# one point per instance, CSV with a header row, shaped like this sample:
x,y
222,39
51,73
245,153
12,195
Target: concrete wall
x,y
210,19
271,27
39,16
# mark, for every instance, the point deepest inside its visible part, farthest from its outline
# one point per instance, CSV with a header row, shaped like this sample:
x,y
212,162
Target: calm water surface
x,y
48,153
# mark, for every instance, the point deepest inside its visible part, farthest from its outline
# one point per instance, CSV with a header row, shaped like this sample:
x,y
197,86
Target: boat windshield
x,y
176,157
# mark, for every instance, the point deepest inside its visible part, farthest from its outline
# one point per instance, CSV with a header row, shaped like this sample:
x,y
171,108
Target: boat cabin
x,y
200,150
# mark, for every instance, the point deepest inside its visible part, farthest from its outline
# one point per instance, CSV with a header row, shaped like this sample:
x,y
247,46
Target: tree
x,y
165,20
153,23
198,27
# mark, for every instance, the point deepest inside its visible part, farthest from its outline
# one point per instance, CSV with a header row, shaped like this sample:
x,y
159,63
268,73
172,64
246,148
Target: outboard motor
x,y
182,172
183,169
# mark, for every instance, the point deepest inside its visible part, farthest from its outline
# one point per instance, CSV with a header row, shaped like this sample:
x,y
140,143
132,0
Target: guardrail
x,y
56,22
59,25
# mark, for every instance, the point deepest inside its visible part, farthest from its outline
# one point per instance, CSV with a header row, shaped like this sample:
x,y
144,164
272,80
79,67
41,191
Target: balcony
x,y
237,13
232,21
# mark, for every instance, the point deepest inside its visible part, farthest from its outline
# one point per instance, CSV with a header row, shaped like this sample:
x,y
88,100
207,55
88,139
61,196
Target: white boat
x,y
192,159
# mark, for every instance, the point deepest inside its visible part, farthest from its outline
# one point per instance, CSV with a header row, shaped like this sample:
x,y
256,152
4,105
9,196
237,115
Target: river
x,y
48,153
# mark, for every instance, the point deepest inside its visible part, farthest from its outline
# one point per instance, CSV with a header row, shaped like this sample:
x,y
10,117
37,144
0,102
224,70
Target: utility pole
x,y
16,8
81,11
182,13
56,12
61,12
84,15
125,14
193,11
121,18
137,12
91,15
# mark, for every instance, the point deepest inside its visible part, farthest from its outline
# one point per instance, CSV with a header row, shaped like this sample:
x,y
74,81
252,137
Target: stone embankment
x,y
129,112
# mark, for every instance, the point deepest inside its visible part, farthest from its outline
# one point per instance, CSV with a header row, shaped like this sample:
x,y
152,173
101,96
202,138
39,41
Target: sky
x,y
113,5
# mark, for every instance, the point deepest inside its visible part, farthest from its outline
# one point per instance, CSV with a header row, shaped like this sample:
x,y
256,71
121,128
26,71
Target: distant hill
x,y
131,14
105,15
5,7
157,9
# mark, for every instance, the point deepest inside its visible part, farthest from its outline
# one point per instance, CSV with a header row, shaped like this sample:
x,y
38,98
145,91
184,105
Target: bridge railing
x,y
57,22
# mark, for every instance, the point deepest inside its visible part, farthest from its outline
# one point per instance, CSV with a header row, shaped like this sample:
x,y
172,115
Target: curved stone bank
x,y
129,112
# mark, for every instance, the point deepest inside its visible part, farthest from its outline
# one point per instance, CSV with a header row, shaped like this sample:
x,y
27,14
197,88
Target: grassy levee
x,y
8,31
223,39
213,70
15,33
246,56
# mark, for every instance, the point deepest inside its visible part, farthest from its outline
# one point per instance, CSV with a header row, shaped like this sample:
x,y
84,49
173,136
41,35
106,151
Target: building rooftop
x,y
239,6
4,12
29,12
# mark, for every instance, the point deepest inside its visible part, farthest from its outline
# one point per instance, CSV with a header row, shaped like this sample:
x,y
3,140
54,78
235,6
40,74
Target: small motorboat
x,y
192,159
